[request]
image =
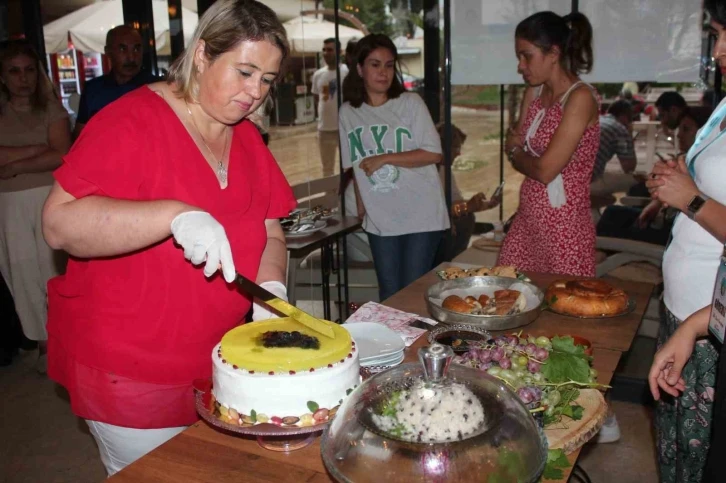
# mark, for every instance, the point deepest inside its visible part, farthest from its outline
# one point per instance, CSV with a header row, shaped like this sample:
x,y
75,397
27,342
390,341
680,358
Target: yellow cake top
x,y
243,347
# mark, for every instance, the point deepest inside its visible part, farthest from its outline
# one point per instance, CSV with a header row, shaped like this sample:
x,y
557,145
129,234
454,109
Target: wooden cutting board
x,y
569,435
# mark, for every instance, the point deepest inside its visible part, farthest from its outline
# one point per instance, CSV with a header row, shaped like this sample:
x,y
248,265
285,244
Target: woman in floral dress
x,y
554,144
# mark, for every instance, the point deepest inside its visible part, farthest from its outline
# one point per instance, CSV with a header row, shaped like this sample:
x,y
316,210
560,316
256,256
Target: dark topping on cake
x,y
292,373
234,366
271,373
279,338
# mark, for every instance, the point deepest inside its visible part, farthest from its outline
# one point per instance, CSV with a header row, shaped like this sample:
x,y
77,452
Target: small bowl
x,y
457,335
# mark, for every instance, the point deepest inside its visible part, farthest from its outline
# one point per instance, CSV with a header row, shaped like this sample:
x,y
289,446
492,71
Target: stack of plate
x,y
378,346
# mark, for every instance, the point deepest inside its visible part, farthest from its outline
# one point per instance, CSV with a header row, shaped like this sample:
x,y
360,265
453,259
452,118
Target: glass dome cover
x,y
433,422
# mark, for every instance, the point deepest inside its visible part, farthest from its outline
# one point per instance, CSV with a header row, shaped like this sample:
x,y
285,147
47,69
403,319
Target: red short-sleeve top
x,y
151,316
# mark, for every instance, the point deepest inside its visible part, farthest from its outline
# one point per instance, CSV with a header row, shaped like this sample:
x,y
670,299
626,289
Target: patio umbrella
x,y
306,34
88,26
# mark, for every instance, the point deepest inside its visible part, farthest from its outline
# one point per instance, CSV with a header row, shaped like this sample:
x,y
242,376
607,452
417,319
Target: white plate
x,y
390,363
382,361
319,225
374,340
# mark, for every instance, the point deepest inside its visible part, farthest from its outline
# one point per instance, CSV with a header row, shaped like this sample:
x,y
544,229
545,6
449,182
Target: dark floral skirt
x,y
683,424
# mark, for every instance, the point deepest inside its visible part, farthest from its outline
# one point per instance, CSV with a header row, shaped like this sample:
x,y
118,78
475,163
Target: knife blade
x,y
284,307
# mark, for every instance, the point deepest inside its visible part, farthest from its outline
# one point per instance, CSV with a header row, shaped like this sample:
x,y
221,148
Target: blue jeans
x,y
401,259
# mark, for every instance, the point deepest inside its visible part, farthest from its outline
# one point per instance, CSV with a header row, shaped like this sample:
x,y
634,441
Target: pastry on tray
x,y
586,298
504,302
452,273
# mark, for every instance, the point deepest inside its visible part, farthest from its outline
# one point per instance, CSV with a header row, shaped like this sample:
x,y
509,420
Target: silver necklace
x,y
221,168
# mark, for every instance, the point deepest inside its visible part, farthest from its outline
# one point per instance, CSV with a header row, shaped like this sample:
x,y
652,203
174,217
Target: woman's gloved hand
x,y
203,239
260,311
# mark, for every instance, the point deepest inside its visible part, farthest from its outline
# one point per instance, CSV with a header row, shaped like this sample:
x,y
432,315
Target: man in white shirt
x,y
325,88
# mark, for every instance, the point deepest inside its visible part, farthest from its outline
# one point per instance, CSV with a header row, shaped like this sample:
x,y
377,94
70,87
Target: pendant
x,y
222,172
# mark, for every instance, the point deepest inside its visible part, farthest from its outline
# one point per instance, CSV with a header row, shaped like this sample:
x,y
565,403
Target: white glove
x,y
259,312
203,238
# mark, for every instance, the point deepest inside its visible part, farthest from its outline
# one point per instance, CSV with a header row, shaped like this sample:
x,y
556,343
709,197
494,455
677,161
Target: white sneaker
x,y
610,431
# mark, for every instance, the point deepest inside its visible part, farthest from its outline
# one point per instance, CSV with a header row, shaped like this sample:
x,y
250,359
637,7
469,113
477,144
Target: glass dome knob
x,y
435,360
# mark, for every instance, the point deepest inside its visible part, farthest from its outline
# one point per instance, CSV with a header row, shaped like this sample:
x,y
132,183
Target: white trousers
x,y
119,446
26,260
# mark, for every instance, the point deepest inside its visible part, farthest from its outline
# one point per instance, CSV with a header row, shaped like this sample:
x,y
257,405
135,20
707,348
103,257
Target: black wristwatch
x,y
695,204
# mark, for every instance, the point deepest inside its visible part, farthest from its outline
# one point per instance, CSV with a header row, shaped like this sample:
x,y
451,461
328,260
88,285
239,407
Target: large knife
x,y
283,307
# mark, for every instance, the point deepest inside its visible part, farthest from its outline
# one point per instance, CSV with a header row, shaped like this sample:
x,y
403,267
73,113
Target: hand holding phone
x,y
498,191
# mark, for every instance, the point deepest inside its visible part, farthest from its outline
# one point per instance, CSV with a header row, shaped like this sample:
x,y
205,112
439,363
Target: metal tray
x,y
489,322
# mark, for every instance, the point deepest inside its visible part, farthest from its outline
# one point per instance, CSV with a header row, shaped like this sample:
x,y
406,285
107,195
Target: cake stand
x,y
269,436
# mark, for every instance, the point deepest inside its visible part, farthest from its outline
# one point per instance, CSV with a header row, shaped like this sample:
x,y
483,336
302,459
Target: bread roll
x,y
457,304
505,301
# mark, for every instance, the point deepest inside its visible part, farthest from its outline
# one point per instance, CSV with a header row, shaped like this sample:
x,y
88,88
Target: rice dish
x,y
424,414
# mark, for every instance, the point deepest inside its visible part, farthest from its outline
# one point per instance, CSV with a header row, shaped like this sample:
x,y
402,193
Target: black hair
x,y
353,89
572,34
717,10
621,108
330,40
350,51
671,99
709,96
699,116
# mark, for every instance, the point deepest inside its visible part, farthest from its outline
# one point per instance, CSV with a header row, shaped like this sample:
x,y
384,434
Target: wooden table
x,y
300,247
615,334
202,454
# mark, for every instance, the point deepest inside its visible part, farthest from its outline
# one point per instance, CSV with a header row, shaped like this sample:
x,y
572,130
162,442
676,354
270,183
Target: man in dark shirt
x,y
124,50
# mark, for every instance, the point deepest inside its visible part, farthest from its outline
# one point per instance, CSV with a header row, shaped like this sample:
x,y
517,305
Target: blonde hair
x,y
223,27
44,89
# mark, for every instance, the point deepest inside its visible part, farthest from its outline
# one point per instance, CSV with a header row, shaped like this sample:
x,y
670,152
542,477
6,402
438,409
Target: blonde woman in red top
x,y
169,174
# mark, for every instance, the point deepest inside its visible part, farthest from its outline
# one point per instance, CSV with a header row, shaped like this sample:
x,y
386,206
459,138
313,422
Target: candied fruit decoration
x,y
307,419
321,415
276,420
290,420
279,338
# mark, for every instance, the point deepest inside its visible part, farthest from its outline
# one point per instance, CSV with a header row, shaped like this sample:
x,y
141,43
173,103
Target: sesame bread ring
x,y
586,298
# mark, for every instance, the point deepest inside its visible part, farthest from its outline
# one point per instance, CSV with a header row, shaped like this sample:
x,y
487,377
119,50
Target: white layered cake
x,y
281,372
